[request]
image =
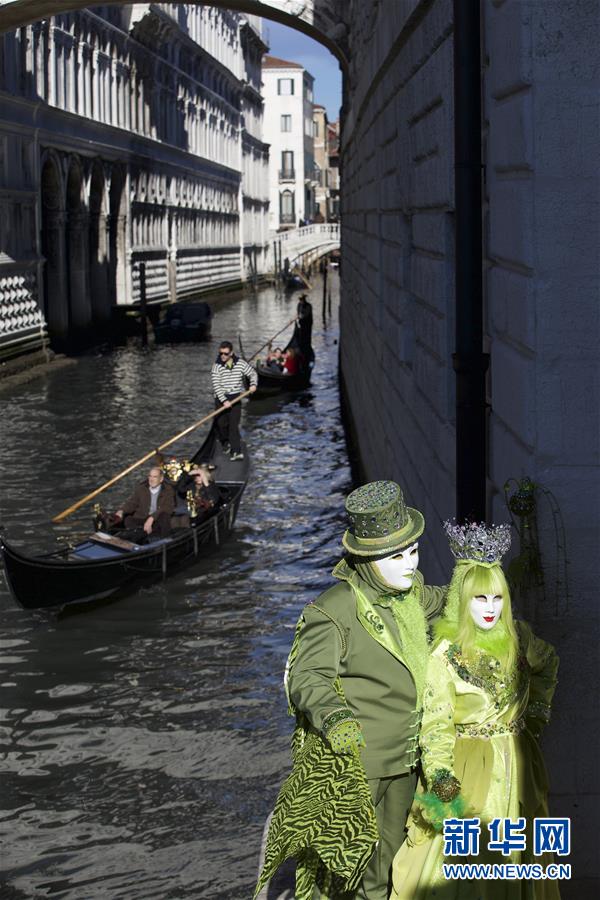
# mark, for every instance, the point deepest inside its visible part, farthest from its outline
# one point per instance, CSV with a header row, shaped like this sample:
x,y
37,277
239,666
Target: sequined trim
x,y
338,715
539,709
485,672
491,730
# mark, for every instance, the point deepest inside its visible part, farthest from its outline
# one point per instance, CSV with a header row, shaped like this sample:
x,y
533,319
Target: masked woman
x,y
487,696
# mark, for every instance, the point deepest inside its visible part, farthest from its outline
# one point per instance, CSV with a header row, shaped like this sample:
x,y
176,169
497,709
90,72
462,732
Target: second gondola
x,y
102,565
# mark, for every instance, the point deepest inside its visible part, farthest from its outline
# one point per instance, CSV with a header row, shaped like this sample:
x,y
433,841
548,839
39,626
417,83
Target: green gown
x,y
480,725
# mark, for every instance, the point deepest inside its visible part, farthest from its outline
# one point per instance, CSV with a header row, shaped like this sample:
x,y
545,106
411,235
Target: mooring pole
x,y
143,307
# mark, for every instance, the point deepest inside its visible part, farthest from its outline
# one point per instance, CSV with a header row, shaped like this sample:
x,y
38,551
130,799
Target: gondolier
x,y
227,376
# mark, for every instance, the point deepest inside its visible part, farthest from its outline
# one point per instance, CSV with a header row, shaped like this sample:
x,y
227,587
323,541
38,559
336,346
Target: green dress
x,y
479,725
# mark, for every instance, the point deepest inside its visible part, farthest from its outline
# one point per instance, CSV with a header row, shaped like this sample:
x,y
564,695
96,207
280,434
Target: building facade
x,y
327,173
127,136
288,93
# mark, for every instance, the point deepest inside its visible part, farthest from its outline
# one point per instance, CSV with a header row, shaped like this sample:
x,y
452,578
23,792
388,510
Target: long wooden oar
x,y
270,341
71,509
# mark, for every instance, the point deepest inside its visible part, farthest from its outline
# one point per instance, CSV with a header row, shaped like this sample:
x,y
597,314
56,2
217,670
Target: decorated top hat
x,y
379,520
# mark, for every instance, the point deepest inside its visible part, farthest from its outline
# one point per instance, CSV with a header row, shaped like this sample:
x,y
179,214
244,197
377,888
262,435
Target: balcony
x,y
287,175
287,219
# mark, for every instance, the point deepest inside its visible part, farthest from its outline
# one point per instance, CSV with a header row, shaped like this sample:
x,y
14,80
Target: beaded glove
x,y
346,737
445,785
443,801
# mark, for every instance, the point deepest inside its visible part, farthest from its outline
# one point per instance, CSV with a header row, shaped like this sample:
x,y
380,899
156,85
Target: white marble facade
x,y
127,135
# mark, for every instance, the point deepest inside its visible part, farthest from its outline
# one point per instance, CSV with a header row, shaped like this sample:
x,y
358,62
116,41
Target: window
x,y
287,166
287,212
285,86
316,128
286,123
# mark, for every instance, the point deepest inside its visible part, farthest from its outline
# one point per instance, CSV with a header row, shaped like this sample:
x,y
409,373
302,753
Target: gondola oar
x,y
270,341
71,509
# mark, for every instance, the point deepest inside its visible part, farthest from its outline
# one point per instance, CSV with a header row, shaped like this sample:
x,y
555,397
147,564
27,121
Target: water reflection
x,y
144,740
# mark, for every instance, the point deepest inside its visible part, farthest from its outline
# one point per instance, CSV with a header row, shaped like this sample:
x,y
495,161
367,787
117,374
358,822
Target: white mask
x,y
486,609
399,568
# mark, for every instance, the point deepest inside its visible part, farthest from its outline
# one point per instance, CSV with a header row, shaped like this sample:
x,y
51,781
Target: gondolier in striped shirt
x,y
227,376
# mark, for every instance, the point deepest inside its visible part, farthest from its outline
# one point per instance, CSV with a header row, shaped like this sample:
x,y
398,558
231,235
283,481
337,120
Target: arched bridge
x,y
302,246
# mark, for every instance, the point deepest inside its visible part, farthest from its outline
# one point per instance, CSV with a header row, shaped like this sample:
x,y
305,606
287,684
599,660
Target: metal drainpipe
x,y
470,363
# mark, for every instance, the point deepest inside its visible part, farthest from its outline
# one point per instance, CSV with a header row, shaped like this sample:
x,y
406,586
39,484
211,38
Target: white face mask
x,y
399,569
486,609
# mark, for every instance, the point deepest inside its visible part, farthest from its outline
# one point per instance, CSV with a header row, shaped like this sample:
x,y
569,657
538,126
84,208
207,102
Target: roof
x,y
273,62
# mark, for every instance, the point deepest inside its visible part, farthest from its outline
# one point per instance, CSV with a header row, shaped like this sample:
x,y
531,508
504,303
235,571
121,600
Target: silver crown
x,y
478,541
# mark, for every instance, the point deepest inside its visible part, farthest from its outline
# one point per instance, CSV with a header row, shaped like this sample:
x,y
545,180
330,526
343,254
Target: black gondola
x,y
272,381
95,568
184,322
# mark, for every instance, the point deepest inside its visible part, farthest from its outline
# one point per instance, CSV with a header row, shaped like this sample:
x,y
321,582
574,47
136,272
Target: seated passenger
x,y
150,506
292,362
275,360
200,481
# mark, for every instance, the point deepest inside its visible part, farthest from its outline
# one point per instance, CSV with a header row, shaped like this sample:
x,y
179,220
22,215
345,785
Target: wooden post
x,y
324,266
143,308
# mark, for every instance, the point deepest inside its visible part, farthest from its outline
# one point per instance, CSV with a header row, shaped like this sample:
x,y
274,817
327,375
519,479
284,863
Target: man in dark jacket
x,y
150,506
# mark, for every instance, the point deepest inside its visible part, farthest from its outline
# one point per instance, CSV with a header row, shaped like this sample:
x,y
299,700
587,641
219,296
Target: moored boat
x,y
104,564
184,322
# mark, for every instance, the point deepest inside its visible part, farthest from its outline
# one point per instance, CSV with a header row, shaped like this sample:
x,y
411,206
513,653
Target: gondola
x,y
273,382
270,381
102,565
184,322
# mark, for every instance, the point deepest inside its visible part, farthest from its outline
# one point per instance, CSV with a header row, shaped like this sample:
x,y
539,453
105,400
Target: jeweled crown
x,y
477,541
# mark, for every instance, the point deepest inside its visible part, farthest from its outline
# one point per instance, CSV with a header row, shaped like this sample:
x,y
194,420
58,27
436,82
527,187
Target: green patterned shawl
x,y
324,814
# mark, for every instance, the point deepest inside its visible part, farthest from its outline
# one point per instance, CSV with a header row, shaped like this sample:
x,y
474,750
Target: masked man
x,y
356,676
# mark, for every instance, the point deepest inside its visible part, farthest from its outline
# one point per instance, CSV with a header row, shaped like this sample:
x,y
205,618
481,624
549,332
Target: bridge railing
x,y
296,235
307,242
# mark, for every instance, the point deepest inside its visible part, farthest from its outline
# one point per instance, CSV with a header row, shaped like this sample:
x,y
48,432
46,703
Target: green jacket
x,y
377,684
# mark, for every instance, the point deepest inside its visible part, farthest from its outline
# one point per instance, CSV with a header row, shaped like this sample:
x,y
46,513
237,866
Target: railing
x,y
329,230
305,244
287,174
287,218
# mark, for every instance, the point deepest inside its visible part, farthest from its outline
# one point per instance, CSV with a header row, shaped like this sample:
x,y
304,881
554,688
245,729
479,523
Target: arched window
x,y
287,213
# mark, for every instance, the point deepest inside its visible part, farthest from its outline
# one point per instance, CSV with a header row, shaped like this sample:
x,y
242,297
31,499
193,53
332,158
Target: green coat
x,y
377,684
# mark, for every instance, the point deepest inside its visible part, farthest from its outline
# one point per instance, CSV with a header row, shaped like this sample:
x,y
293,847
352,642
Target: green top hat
x,y
380,521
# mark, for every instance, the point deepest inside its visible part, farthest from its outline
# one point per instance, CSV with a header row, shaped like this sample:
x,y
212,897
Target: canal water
x,y
144,740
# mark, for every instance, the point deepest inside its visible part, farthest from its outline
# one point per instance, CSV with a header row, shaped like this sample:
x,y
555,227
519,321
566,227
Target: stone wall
x,y
397,265
540,138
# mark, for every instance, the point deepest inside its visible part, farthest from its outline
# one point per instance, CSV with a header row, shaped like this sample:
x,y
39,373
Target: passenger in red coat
x,y
293,362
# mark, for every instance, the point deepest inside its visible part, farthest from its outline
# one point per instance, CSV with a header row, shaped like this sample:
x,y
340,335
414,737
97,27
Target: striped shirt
x,y
228,382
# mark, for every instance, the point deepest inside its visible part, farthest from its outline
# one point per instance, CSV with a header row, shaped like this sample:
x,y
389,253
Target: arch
x,y
54,273
80,313
314,18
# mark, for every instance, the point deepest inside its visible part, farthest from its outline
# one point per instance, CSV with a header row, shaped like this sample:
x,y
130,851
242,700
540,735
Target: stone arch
x,y
319,19
80,313
54,273
98,245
